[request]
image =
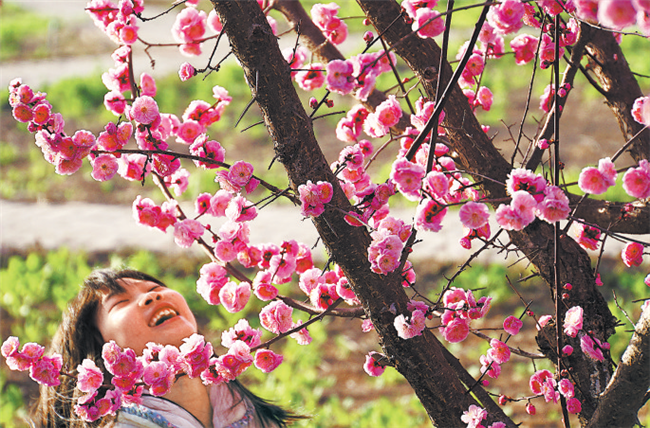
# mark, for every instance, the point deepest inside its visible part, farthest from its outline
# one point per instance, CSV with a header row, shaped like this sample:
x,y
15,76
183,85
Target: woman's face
x,y
144,312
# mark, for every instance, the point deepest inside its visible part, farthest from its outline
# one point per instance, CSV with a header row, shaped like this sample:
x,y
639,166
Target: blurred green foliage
x,y
19,28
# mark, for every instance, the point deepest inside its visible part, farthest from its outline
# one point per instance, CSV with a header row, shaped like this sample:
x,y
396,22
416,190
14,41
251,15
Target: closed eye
x,y
117,304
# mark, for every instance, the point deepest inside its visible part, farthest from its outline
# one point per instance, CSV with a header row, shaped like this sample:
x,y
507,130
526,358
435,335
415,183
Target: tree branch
x,y
619,404
620,88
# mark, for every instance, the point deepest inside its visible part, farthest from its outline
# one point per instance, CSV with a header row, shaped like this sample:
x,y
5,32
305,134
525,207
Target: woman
x,y
132,309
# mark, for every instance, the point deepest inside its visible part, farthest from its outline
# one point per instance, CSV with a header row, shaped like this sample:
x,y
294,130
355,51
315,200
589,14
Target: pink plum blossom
x,y
456,331
632,254
552,7
159,376
388,112
235,362
567,350
591,348
324,16
484,98
114,102
498,352
526,180
538,379
506,17
641,110
565,387
47,370
211,275
546,100
211,150
195,354
573,405
408,328
490,367
145,110
555,205
313,197
276,317
474,416
587,236
178,181
241,209
525,47
474,215
147,85
234,296
310,279
407,177
186,231
573,321
530,409
241,331
302,336
186,71
636,181
591,180
512,325
105,167
262,286
89,376
189,25
547,51
339,76
372,365
323,295
267,360
312,78
428,23
616,14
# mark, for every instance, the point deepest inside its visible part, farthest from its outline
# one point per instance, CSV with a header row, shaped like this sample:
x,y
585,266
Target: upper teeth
x,y
167,312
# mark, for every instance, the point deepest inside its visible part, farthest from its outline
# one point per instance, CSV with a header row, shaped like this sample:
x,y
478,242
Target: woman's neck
x,y
193,396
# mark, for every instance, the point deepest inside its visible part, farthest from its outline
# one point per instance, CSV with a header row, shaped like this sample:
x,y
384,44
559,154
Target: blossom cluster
x,y
324,16
65,152
358,74
590,345
313,197
43,369
543,383
461,307
532,197
127,374
118,22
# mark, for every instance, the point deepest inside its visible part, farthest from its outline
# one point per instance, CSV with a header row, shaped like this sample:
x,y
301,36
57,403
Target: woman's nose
x,y
150,297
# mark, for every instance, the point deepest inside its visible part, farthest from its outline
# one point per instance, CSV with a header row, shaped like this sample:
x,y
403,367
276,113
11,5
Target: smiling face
x,y
144,312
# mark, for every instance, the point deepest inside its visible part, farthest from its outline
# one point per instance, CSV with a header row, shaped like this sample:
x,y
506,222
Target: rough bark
x,y
478,155
420,360
627,391
620,88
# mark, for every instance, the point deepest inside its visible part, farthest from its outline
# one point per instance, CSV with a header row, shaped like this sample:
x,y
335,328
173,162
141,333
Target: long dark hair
x,y
79,338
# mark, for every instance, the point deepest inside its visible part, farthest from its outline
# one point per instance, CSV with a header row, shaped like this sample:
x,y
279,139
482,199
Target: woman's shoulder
x,y
155,413
136,416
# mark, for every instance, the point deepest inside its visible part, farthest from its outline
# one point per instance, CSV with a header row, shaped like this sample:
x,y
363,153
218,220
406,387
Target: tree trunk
x,y
479,156
420,360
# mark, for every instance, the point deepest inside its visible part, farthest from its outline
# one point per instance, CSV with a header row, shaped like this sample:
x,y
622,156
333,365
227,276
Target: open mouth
x,y
162,316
